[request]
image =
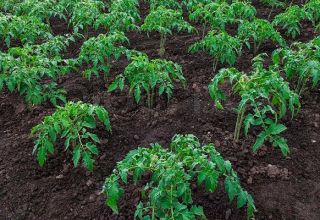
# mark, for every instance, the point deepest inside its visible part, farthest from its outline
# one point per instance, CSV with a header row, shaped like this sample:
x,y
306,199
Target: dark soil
x,y
283,188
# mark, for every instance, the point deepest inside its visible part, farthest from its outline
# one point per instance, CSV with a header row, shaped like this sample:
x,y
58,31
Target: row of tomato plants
x,y
265,97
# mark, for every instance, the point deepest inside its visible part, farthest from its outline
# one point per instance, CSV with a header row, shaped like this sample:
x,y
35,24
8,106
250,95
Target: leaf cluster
x,y
24,69
221,46
98,52
219,13
302,61
26,29
72,122
259,31
164,21
290,20
123,15
168,194
265,98
148,75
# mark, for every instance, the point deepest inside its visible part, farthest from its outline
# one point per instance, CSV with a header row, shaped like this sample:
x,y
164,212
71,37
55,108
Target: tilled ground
x,y
283,188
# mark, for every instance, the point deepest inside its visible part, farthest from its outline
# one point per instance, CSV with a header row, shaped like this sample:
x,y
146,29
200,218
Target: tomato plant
x,y
168,194
98,52
22,70
41,9
26,29
148,75
72,122
260,31
273,4
221,46
164,21
265,98
214,14
85,13
301,60
312,8
290,20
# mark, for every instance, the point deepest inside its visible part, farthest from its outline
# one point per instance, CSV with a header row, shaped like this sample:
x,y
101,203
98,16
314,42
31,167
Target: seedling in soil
x,y
164,21
222,47
259,31
26,29
312,8
149,75
84,15
168,193
290,20
265,98
301,61
72,122
24,70
99,52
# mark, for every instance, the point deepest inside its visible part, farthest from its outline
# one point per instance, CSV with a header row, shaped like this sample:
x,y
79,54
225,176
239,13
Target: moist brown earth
x,y
283,188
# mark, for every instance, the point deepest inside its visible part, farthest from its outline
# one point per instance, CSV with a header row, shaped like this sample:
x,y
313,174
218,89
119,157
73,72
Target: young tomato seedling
x,y
164,21
221,46
168,193
265,97
148,75
98,52
73,123
302,60
259,31
290,20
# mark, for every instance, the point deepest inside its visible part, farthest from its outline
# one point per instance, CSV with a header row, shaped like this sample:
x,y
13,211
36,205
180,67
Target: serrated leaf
x,y
76,155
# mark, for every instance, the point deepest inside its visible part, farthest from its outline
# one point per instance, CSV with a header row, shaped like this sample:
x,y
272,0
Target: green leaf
x,y
41,155
94,137
276,129
93,148
89,122
260,140
87,161
76,155
137,94
230,188
242,199
49,146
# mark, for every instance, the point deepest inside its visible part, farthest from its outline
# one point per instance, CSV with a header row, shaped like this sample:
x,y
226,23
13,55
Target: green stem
x,y
215,65
240,118
162,45
172,212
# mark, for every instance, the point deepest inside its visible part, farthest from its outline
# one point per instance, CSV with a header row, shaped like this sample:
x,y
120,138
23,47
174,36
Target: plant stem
x,y
240,118
162,45
215,65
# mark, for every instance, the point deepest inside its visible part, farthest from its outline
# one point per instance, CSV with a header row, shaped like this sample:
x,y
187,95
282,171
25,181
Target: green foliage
x,y
85,13
123,16
312,8
170,4
221,46
43,9
215,14
98,52
23,69
164,21
273,3
290,20
73,123
26,29
191,5
148,75
302,60
168,194
242,11
265,98
260,31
